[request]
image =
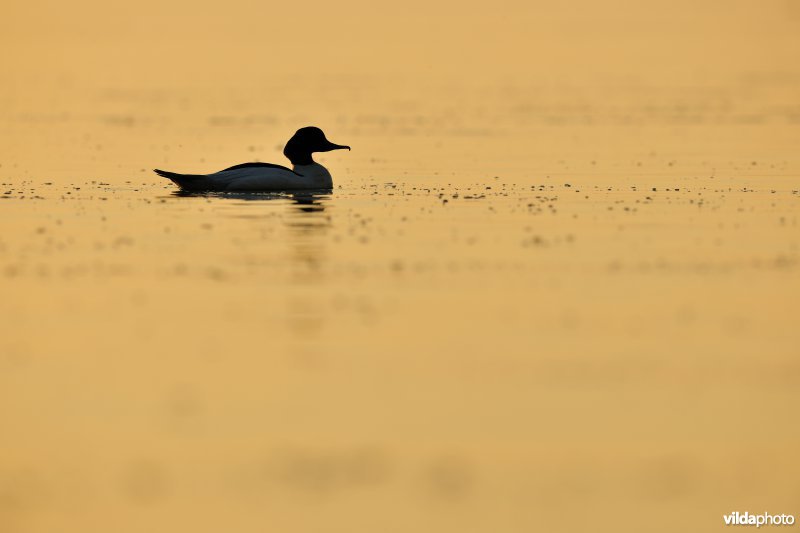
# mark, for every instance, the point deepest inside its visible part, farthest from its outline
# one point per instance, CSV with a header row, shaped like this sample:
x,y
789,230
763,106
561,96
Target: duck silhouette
x,y
305,173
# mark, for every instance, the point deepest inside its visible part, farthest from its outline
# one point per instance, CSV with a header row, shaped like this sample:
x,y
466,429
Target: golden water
x,y
554,289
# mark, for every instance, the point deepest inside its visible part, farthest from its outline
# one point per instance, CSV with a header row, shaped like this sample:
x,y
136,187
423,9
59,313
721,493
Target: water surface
x,y
527,305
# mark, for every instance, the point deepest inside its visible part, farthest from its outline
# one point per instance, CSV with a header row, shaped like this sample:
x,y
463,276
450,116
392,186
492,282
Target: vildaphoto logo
x,y
765,519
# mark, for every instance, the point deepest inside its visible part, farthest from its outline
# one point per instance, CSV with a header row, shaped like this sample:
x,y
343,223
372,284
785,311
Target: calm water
x,y
522,308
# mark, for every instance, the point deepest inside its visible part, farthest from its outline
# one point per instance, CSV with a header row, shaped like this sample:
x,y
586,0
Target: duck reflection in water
x,y
307,222
310,201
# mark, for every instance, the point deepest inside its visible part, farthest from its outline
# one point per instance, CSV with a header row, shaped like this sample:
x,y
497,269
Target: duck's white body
x,y
313,176
256,177
305,174
269,178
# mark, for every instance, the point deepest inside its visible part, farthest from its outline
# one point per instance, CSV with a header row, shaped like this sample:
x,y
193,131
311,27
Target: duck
x,y
254,177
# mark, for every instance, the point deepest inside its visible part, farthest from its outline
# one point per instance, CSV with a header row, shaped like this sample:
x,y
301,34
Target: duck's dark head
x,y
307,141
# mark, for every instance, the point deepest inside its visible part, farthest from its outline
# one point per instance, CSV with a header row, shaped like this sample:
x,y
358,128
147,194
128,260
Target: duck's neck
x,y
300,158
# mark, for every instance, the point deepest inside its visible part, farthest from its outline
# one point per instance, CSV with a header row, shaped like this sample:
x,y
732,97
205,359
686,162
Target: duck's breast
x,y
315,175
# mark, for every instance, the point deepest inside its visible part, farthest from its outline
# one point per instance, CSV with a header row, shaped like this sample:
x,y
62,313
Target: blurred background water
x,y
555,287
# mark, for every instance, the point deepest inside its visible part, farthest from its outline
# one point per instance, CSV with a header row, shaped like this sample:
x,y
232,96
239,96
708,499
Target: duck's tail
x,y
184,181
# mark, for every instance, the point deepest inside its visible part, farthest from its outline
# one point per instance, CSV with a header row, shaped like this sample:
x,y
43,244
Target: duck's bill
x,y
331,146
